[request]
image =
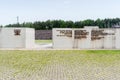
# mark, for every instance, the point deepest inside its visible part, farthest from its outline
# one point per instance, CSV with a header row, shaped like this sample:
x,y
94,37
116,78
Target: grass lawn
x,y
43,41
60,65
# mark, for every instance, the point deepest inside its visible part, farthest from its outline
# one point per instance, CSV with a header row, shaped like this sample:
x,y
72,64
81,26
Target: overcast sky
x,y
75,10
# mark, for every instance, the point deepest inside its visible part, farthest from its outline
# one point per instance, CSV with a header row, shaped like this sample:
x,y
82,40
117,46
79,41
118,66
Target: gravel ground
x,y
60,68
63,71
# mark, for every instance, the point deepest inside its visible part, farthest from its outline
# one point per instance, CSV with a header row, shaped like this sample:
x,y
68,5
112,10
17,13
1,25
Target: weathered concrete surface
x,y
17,38
86,38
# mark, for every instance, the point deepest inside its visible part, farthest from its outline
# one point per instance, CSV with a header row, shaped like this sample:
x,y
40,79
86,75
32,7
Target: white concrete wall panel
x,y
30,38
15,37
94,39
117,39
60,40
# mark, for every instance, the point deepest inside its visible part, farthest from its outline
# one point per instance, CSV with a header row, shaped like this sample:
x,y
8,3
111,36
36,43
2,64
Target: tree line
x,y
49,24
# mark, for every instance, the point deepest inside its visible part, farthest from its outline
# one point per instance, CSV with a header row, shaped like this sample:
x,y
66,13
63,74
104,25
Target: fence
x,y
43,34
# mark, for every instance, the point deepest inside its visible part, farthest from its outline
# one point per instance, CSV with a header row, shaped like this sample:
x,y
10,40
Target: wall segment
x,y
86,38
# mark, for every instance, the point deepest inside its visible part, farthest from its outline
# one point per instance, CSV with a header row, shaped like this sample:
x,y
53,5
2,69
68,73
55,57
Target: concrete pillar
x,y
117,42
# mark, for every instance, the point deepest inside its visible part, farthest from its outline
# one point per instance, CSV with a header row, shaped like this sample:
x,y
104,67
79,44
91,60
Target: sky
x,y
42,10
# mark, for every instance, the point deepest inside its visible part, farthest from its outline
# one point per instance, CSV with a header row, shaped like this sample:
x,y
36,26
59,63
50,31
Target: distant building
x,y
116,26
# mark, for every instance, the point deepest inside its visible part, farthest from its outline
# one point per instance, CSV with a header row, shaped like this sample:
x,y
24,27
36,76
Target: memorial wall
x,y
17,38
86,38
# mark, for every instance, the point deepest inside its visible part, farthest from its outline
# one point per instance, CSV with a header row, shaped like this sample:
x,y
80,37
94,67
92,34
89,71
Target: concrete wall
x,y
16,37
30,38
60,40
86,38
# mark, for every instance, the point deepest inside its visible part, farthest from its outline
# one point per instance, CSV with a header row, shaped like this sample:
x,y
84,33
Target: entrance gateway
x,y
89,37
